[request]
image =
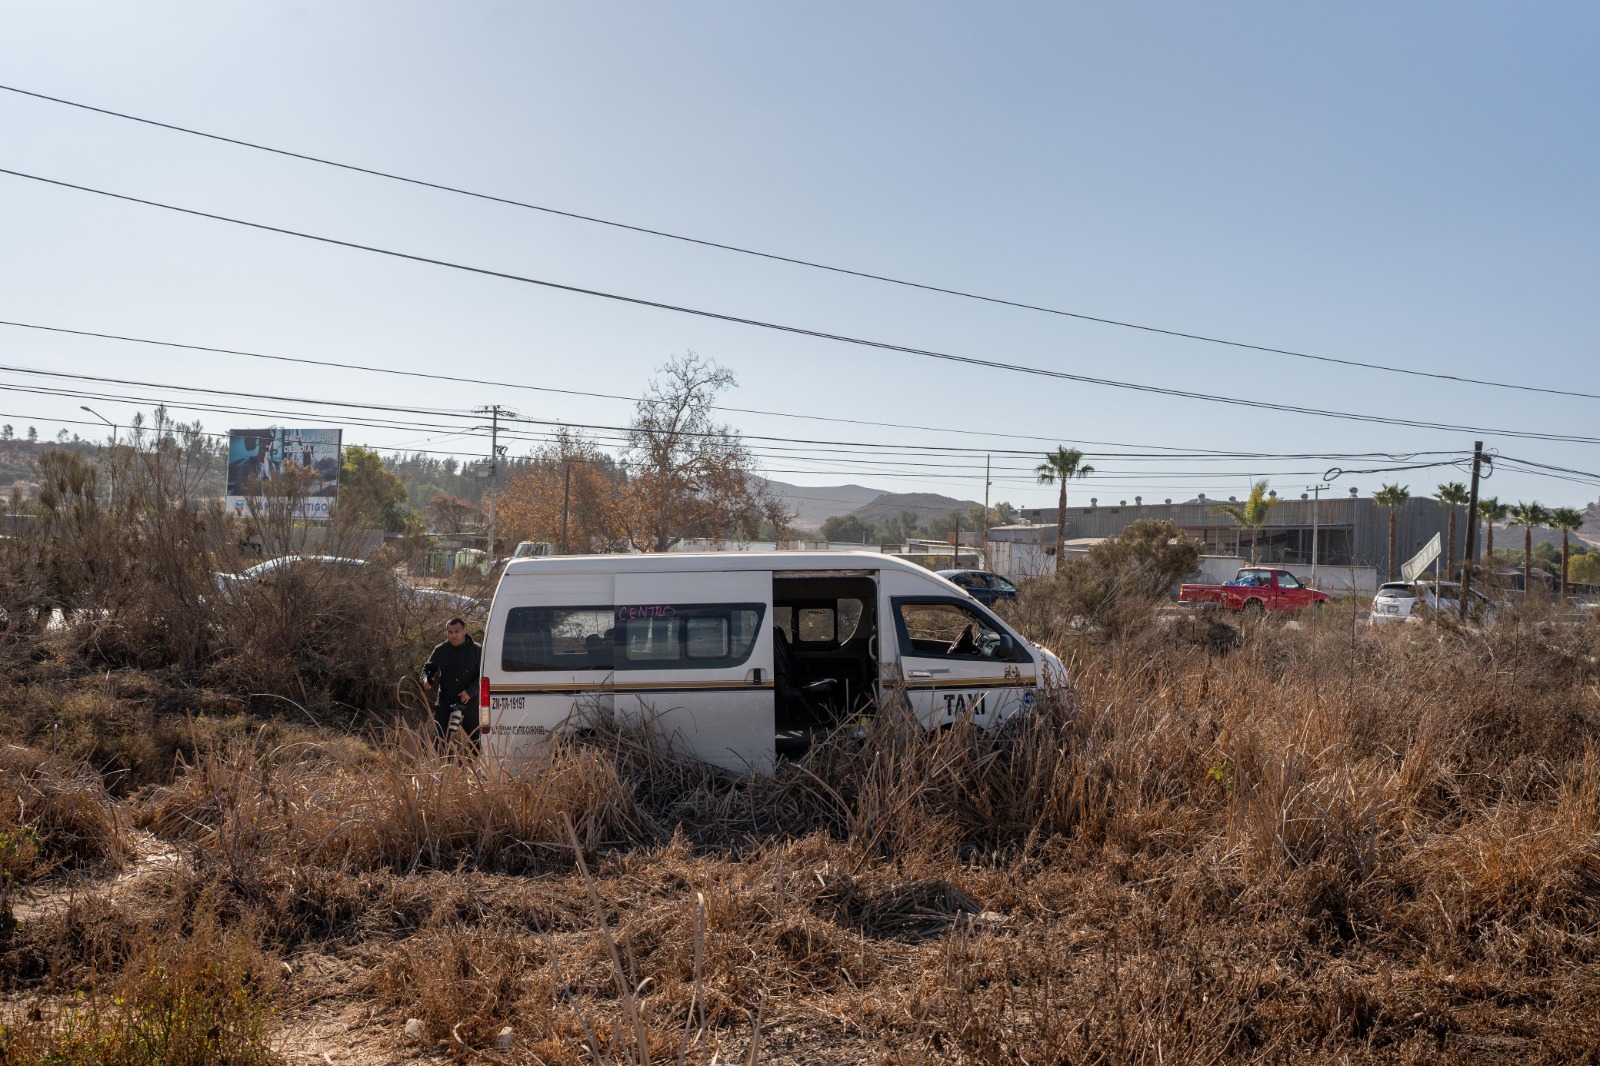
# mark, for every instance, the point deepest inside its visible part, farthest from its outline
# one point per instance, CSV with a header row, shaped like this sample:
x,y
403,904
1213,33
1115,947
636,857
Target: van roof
x,y
637,563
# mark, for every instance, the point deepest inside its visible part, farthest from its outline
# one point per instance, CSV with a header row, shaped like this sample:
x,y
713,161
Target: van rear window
x,y
568,639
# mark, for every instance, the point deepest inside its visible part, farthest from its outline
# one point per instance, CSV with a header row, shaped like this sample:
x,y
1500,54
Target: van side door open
x,y
958,663
694,656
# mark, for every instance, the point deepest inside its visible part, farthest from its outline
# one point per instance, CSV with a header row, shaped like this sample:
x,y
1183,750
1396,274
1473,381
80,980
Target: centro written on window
x,y
698,636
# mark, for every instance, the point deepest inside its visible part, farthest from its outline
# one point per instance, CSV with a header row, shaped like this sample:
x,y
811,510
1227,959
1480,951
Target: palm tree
x,y
1565,519
1062,465
1252,514
1452,494
1528,515
1393,497
1490,511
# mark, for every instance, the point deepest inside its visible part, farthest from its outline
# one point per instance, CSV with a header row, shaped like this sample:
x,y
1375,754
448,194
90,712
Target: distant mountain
x,y
889,505
812,504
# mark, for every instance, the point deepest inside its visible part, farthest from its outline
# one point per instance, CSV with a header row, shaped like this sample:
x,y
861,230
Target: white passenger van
x,y
739,657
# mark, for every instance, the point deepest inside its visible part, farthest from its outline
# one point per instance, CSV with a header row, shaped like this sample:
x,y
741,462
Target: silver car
x,y
439,599
1403,601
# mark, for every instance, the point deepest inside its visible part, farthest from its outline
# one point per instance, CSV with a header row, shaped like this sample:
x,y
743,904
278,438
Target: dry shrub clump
x,y
201,997
54,815
128,557
399,806
333,639
656,954
1114,587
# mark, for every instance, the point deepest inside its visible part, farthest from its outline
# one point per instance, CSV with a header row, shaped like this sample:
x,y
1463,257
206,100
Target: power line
x,y
1547,470
810,443
897,472
204,433
817,334
1559,473
458,379
796,261
889,467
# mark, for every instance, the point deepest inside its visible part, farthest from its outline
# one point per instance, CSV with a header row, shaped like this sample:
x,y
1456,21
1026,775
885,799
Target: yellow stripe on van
x,y
626,688
972,682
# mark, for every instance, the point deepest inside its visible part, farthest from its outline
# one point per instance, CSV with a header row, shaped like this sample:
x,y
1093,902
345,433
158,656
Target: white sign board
x,y
1414,566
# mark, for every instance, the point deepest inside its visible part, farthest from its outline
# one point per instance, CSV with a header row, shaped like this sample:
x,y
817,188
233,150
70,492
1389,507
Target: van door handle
x,y
921,675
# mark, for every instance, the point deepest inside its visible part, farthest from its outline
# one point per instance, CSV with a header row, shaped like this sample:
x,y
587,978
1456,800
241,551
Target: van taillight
x,y
483,694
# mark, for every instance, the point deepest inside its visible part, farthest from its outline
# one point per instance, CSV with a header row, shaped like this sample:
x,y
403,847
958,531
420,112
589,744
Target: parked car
x,y
1404,601
440,599
1255,588
986,588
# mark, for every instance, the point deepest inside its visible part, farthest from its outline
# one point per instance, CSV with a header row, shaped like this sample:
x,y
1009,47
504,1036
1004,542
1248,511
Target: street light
x,y
113,468
103,418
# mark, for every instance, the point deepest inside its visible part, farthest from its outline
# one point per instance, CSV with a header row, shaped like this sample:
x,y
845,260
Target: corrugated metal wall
x,y
1415,522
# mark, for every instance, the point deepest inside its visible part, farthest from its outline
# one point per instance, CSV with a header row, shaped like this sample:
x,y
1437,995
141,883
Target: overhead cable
x,y
810,443
817,334
797,261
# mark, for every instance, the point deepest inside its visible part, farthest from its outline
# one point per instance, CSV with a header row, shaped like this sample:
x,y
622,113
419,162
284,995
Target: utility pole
x,y
1316,523
1470,555
495,413
986,484
566,501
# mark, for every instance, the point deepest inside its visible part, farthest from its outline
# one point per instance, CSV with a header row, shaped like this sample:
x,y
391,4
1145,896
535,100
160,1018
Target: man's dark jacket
x,y
453,670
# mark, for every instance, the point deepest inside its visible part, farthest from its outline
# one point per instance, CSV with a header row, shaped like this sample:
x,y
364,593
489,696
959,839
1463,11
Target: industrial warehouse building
x,y
1349,531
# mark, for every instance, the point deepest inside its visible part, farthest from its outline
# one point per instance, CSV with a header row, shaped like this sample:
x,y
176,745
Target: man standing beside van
x,y
452,667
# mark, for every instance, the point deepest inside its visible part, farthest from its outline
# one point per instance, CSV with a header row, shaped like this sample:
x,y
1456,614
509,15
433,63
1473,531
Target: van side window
x,y
816,625
651,640
849,618
557,638
819,624
697,636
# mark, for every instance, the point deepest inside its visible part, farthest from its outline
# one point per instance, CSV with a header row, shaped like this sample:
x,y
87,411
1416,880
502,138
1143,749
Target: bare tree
x,y
689,476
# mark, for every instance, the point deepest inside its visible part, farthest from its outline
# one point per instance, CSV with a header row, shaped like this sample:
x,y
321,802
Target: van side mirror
x,y
1006,650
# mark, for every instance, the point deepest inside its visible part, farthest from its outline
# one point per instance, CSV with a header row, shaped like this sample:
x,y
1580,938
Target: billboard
x,y
257,457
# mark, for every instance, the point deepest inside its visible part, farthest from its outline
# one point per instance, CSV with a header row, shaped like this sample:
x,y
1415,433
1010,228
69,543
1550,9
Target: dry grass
x,y
54,815
192,998
1315,843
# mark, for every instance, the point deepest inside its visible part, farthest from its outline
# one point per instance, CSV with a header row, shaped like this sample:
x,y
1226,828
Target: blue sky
x,y
1403,184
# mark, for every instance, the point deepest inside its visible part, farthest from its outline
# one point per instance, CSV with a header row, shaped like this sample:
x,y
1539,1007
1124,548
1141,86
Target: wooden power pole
x,y
1470,555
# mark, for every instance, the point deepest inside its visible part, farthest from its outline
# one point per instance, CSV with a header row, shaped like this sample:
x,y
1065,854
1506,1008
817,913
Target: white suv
x,y
1400,601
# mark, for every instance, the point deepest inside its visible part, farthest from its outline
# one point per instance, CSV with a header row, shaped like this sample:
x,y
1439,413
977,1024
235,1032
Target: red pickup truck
x,y
1256,588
